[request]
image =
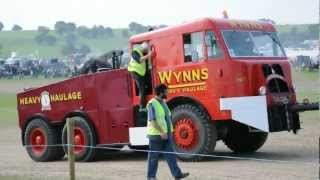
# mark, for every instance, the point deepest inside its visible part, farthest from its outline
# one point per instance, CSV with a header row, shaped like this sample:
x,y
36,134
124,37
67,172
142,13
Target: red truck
x,y
228,80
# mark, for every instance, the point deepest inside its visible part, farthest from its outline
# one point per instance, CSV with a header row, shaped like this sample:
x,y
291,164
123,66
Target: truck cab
x,y
233,75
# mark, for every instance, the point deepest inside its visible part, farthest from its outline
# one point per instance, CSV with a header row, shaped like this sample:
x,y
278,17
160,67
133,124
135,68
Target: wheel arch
x,y
176,101
34,116
86,117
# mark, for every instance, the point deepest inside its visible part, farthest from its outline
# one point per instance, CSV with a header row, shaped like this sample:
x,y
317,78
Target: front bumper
x,y
254,112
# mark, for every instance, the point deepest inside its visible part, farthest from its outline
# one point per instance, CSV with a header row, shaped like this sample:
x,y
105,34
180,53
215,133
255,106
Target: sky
x,y
119,13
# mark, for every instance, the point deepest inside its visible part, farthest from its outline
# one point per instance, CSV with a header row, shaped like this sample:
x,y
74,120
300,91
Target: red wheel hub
x,y
38,140
186,134
79,140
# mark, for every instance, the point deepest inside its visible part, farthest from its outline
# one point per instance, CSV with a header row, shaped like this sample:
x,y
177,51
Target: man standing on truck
x,y
159,132
137,67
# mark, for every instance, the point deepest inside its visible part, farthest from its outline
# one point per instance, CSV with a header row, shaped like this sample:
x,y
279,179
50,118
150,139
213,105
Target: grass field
x,y
307,84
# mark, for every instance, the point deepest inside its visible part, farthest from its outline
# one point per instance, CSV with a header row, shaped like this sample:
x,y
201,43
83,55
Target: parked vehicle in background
x,y
54,68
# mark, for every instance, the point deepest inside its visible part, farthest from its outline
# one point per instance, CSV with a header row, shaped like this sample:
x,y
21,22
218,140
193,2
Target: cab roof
x,y
202,24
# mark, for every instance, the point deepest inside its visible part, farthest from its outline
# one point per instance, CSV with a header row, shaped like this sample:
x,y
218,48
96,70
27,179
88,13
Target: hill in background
x,y
24,44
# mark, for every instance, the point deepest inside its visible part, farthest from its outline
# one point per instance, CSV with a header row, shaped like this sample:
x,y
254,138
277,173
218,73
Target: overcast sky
x,y
119,13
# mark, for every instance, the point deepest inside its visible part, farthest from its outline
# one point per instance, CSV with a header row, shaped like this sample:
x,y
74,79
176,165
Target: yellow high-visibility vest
x,y
160,117
134,66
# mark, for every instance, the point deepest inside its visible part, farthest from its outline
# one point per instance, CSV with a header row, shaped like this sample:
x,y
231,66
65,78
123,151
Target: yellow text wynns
x,y
185,76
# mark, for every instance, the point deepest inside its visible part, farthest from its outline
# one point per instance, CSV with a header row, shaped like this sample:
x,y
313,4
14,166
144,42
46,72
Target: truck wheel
x,y
240,140
84,137
194,133
37,135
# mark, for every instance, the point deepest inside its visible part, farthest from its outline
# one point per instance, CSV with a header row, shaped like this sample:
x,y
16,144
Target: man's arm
x,y
146,57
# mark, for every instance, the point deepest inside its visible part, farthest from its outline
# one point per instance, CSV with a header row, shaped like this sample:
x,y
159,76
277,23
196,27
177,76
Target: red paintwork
x,y
109,97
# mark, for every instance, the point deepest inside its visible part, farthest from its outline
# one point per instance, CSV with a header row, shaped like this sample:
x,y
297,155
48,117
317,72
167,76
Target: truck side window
x,y
213,48
193,49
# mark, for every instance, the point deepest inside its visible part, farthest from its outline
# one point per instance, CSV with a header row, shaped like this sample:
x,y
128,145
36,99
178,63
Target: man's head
x,y
161,91
144,47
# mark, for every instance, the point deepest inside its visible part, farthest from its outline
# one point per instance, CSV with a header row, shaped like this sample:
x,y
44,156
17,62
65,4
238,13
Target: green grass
x,y
23,43
8,112
8,106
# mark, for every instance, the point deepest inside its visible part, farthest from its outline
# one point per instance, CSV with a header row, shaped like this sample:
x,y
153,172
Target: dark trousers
x,y
162,145
140,82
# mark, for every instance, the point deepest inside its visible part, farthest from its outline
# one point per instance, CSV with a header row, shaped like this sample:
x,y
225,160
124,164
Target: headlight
x,y
262,90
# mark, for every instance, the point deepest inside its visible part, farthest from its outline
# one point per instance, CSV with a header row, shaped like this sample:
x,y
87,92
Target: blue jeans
x,y
153,157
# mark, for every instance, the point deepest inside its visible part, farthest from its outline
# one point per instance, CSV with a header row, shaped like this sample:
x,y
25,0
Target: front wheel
x,y
84,140
194,133
240,140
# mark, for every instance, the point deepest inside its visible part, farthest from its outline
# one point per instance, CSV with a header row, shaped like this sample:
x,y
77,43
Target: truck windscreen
x,y
253,44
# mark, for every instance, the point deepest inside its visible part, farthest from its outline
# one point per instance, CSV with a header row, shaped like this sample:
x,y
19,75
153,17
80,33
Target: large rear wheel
x,y
42,141
194,132
84,140
240,140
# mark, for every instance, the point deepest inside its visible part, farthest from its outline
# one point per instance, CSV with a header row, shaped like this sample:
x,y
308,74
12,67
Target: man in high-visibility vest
x,y
159,132
137,67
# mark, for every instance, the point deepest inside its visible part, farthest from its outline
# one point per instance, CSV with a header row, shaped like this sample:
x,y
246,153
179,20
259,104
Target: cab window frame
x,y
203,51
218,43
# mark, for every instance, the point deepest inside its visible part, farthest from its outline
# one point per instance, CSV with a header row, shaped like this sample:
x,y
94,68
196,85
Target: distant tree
x,y
16,28
71,39
43,29
125,33
101,32
84,49
138,28
64,28
1,26
108,32
43,37
83,31
71,27
59,27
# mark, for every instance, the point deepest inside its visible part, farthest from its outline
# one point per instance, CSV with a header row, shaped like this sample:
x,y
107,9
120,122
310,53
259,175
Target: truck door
x,y
148,76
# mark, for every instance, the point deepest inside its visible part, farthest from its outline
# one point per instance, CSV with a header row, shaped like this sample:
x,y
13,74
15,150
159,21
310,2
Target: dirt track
x,y
300,148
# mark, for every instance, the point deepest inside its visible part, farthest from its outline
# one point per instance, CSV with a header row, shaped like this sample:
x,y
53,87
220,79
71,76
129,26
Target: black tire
x,y
87,153
204,139
240,140
51,135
